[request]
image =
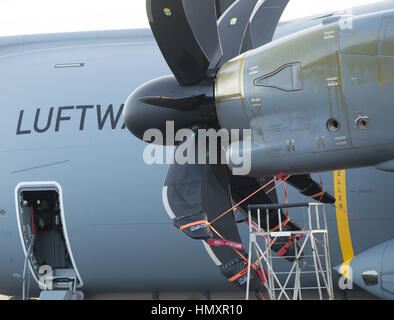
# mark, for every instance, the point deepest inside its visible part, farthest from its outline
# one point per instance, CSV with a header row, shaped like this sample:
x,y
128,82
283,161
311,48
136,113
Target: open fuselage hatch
x,y
41,220
49,246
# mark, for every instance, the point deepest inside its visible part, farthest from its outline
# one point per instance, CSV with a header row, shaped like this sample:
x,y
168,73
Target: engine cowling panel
x,y
314,100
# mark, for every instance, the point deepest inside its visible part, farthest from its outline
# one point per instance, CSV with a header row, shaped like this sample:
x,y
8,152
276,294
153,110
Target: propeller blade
x,y
262,25
182,198
310,188
216,196
194,194
232,26
180,104
197,192
222,6
187,35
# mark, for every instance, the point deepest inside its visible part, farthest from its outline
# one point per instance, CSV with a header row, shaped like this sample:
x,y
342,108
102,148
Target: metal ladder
x,y
26,274
309,264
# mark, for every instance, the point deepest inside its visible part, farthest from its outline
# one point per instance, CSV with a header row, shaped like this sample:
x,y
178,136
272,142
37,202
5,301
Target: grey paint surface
x,y
290,89
121,237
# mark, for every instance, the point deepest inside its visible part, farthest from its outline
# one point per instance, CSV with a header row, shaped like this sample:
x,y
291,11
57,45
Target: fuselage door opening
x,y
44,237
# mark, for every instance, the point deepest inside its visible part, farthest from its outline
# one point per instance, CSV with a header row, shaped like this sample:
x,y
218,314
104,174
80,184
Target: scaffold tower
x,y
308,269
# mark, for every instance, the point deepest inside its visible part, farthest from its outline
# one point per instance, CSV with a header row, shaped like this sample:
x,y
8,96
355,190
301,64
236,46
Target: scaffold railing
x,y
308,269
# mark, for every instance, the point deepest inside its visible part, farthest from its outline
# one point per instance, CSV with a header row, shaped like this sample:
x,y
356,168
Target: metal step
x,y
61,295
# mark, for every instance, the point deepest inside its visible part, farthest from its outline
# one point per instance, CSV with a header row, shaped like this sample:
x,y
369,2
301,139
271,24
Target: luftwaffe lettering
x,y
54,118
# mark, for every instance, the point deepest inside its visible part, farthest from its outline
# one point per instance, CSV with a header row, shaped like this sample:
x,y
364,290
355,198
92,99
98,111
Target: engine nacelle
x,y
317,100
373,270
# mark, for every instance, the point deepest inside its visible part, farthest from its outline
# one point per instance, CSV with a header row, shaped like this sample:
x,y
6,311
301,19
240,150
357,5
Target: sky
x,y
49,16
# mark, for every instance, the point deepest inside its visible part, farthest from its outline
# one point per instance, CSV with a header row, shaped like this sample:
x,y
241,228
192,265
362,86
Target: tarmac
x,y
228,296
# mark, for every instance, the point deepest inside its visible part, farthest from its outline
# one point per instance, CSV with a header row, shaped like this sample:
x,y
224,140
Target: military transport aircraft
x,y
79,202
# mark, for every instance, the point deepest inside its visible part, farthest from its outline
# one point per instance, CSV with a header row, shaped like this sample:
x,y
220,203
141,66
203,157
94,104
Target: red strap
x,y
284,223
283,251
320,194
224,243
281,176
287,209
193,224
238,275
32,220
260,274
245,271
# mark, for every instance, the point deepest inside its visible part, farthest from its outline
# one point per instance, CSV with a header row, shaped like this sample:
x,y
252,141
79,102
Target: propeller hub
x,y
160,101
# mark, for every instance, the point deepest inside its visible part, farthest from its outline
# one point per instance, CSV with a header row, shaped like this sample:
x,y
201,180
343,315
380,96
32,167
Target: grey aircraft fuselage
x,y
61,101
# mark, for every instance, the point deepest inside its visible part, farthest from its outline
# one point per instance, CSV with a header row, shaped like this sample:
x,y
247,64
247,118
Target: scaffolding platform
x,y
285,276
